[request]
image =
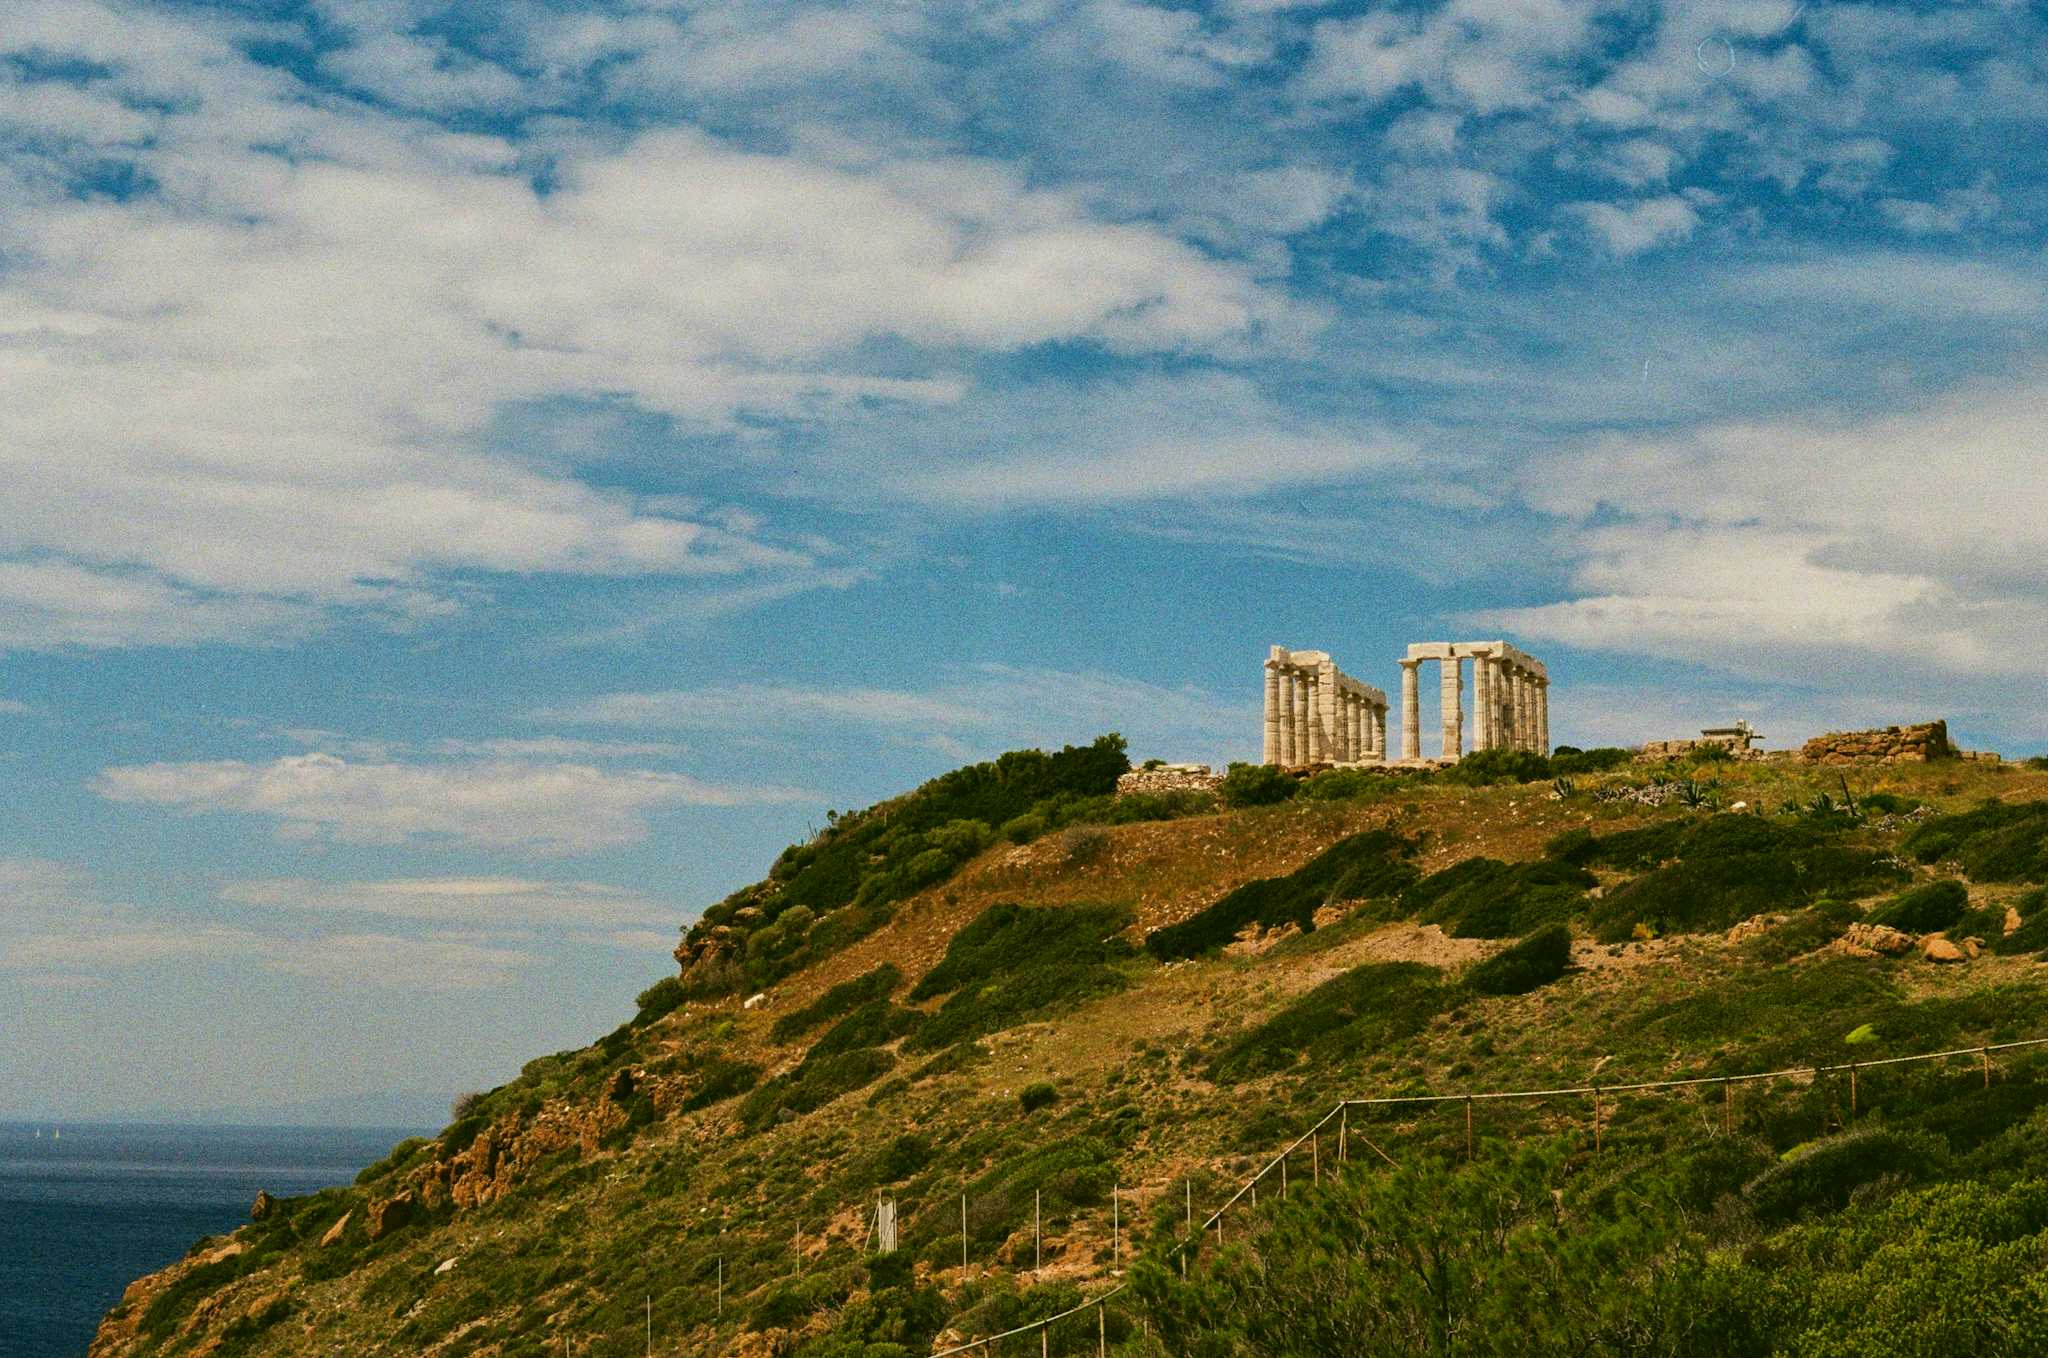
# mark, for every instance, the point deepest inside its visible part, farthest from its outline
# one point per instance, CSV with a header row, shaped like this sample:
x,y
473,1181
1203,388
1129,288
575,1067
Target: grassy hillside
x,y
1009,990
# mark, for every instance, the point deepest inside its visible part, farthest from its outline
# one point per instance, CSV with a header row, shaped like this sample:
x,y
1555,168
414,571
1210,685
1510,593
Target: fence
x,y
1278,1167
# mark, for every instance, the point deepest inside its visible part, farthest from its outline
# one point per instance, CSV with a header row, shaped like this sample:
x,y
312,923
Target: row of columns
x,y
1511,701
1317,714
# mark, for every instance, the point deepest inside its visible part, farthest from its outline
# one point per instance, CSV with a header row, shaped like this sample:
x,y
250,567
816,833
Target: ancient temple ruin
x,y
1317,714
1510,698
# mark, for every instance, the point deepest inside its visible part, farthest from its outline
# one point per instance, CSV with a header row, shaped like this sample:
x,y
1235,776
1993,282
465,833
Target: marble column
x,y
1286,718
1411,710
1483,728
1303,752
1358,718
1327,709
1452,689
1270,750
1525,724
1346,730
1543,716
1379,732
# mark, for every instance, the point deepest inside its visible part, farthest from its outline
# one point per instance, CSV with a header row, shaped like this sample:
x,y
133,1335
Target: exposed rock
x,y
1754,925
1939,949
1169,778
263,1205
334,1232
1892,745
1873,940
1972,947
2012,919
756,1001
445,1266
390,1214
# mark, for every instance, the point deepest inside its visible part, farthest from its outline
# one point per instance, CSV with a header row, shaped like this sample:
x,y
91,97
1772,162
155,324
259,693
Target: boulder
x,y
756,1001
1938,949
263,1206
334,1232
445,1266
390,1214
2012,919
1873,940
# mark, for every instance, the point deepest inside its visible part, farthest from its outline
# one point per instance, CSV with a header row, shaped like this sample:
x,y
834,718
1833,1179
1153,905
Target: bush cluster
x,y
1486,898
1363,867
841,999
1996,842
1366,1006
1256,785
1014,962
1534,962
1926,909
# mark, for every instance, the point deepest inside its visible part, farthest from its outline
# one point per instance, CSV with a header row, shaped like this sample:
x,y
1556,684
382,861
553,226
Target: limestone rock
x,y
445,1266
1169,778
1873,940
1893,745
263,1205
390,1214
2012,919
334,1232
756,1001
1939,949
1754,925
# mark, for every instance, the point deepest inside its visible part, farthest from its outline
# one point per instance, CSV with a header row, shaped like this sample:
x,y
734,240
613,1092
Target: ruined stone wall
x,y
1169,778
1891,745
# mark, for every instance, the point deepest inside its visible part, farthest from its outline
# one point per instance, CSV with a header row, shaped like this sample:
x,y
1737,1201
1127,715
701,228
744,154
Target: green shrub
x,y
876,1023
1083,844
2032,935
661,998
904,1156
1033,1097
1887,803
1997,842
400,1155
1728,868
1569,761
1376,1003
1536,961
1338,785
1486,898
1014,962
718,1079
1482,767
1822,1176
1805,931
1926,909
813,1085
1025,828
843,998
1361,867
1256,785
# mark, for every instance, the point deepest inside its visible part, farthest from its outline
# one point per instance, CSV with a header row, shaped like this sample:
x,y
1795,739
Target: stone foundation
x,y
1892,745
1169,778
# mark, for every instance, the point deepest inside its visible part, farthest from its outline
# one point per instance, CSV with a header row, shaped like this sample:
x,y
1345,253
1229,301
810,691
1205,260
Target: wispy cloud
x,y
527,807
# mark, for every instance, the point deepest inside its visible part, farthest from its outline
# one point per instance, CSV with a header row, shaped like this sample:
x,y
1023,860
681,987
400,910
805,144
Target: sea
x,y
86,1209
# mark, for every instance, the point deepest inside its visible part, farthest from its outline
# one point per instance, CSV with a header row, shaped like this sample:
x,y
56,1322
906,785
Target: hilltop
x,y
1014,989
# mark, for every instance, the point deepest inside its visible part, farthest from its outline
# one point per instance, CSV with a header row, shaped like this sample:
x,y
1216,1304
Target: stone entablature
x,y
1892,745
1510,698
1317,714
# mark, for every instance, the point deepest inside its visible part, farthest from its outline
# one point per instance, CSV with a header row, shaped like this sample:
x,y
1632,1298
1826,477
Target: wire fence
x,y
1310,1144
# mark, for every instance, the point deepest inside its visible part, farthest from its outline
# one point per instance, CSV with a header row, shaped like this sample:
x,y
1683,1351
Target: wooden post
x,y
1596,1117
1101,1330
1985,1053
1116,1229
1045,1341
1283,1177
650,1326
963,1237
721,1287
1315,1156
1852,1089
1468,1127
1727,1108
1343,1126
1037,1235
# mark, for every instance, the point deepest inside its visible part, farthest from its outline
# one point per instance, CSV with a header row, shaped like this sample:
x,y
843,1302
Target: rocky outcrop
x,y
263,1206
1873,940
1891,745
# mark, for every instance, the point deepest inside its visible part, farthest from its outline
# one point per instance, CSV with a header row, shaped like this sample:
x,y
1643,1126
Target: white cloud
x,y
979,710
537,808
468,901
1904,284
1809,545
1631,228
264,389
1484,55
422,72
13,707
397,962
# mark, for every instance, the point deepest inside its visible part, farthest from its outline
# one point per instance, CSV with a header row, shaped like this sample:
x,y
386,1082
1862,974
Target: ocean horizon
x,y
86,1208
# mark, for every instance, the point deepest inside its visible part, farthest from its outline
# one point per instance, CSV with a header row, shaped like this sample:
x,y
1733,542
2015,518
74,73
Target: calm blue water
x,y
84,1215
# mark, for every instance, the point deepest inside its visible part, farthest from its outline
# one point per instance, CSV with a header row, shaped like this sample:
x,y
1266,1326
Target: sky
x,y
479,480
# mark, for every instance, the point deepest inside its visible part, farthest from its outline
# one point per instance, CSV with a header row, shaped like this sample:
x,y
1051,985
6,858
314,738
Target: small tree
x,y
1256,785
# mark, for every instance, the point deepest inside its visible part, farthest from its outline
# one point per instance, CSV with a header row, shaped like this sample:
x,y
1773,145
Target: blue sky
x,y
479,480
